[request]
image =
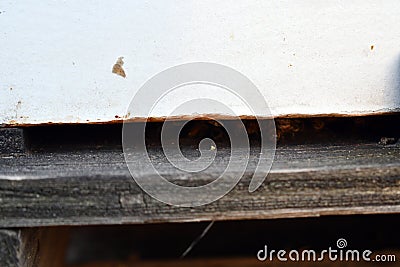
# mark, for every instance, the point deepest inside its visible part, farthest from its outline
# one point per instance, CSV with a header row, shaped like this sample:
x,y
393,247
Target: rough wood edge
x,y
127,119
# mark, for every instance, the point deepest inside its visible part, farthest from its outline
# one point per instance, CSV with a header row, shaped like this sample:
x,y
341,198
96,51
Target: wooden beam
x,y
95,187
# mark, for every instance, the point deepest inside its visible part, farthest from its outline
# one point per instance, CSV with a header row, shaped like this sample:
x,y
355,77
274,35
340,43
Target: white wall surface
x,y
306,57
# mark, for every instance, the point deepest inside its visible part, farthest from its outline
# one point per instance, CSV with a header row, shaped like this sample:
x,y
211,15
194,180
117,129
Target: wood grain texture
x,y
33,247
9,248
95,187
12,141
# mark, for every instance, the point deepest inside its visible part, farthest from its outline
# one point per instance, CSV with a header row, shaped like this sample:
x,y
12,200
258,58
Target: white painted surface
x,y
307,57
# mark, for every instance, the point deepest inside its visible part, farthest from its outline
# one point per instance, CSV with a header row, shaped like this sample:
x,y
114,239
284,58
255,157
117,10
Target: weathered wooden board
x,y
33,247
95,187
306,57
9,248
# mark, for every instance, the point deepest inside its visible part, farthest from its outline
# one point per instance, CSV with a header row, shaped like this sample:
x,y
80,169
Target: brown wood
x,y
233,262
44,247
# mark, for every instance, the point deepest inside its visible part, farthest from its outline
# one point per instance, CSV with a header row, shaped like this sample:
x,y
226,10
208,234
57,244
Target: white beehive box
x,y
306,57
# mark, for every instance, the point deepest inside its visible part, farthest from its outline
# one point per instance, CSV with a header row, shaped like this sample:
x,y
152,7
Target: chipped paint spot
x,y
127,115
117,68
17,107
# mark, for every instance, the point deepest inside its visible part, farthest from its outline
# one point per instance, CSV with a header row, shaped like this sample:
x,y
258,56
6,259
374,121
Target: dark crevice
x,y
289,131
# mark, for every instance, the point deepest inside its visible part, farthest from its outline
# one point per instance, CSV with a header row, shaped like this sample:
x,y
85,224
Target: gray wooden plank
x,y
95,187
19,247
9,248
12,141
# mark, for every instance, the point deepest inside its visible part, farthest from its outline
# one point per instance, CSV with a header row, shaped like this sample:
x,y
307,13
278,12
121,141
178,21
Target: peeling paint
x,y
117,68
127,115
17,107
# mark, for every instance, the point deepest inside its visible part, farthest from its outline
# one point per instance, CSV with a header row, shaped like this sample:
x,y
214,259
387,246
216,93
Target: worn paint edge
x,y
123,119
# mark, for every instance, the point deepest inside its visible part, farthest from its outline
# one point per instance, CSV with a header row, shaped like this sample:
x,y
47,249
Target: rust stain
x,y
117,68
13,123
372,47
